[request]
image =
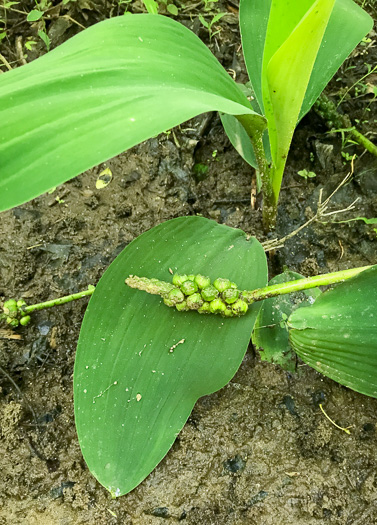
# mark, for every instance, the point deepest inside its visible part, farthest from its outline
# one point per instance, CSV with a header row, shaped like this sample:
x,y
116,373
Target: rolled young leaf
x,y
287,65
337,335
141,366
292,49
348,24
108,88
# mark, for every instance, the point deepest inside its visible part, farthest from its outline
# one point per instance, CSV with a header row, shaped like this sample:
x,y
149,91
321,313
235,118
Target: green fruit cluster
x,y
15,314
196,292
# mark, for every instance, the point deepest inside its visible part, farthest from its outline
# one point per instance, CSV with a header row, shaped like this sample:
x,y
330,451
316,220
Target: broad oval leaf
x,y
132,394
270,333
337,335
108,88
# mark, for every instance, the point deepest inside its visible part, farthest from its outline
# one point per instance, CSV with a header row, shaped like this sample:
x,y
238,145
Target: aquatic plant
x,y
127,79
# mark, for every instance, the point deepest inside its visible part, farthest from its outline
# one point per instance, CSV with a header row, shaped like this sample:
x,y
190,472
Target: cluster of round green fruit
x,y
15,314
196,292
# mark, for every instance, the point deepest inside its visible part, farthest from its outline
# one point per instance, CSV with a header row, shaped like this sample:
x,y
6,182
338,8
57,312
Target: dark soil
x,y
260,450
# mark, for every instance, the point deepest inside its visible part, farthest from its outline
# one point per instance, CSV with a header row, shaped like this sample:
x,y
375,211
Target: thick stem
x,y
301,284
255,129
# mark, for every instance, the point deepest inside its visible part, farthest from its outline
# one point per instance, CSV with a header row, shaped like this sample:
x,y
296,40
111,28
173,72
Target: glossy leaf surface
x,y
287,65
337,335
271,331
241,141
348,24
132,394
292,49
108,88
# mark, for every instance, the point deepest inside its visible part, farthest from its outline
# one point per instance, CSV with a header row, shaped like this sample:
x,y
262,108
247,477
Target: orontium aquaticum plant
x,y
140,365
127,79
144,360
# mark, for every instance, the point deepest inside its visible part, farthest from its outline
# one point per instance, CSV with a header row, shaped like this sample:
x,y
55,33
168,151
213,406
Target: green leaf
x,y
203,21
172,9
132,394
348,24
364,219
292,49
108,88
151,6
240,140
216,18
271,331
34,15
46,39
237,134
288,61
337,335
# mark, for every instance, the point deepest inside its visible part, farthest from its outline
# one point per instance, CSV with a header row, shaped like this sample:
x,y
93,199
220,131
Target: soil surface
x,y
259,451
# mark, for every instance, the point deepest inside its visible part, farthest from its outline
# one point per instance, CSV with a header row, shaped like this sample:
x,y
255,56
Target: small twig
x,y
73,21
19,50
9,334
5,62
322,207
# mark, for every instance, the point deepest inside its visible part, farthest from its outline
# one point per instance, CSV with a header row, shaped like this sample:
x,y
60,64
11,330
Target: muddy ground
x,y
259,451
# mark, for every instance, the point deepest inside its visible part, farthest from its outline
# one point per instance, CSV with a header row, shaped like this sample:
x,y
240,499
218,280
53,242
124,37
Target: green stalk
x,y
326,109
57,302
363,141
255,127
301,284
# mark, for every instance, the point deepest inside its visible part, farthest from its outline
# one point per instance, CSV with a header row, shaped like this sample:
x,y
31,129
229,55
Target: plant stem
x,y
363,141
156,287
61,300
301,284
326,109
255,128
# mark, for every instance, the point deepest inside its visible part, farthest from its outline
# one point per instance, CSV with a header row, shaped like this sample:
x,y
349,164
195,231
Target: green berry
x,y
21,307
194,301
191,277
179,279
205,308
217,306
202,281
233,285
10,307
24,321
168,302
228,313
181,307
176,296
222,284
240,307
209,293
189,287
10,303
230,295
12,322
